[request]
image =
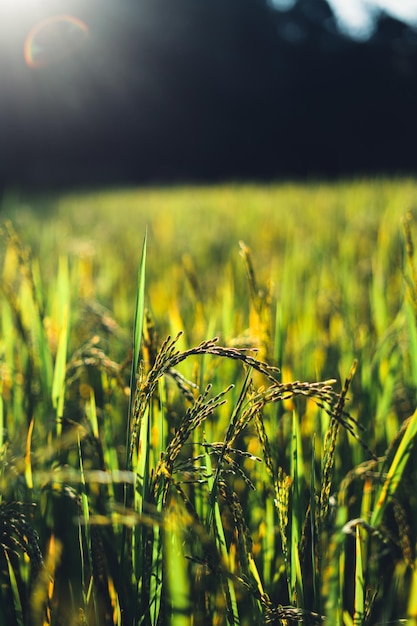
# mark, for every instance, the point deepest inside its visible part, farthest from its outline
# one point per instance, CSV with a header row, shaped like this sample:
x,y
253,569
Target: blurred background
x,y
98,92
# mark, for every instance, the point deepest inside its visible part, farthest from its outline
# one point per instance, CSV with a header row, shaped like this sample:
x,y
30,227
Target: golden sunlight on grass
x,y
174,475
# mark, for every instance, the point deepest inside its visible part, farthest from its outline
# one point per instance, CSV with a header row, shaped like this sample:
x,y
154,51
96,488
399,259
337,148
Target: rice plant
x,y
198,479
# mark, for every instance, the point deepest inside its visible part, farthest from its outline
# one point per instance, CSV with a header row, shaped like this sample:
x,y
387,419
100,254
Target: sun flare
x,y
39,35
53,39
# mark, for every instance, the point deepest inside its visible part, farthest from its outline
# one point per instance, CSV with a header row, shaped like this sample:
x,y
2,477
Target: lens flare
x,y
53,40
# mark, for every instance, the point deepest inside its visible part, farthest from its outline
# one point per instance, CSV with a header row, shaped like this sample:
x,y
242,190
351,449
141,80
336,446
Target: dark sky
x,y
106,92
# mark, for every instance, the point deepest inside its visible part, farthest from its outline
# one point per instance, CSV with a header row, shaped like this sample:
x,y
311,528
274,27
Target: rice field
x,y
208,406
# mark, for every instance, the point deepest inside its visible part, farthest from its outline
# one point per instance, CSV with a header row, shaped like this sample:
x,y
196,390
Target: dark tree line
x,y
197,90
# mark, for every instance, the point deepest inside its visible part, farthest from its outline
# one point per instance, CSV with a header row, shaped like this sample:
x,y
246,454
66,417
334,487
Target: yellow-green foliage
x,y
328,249
223,491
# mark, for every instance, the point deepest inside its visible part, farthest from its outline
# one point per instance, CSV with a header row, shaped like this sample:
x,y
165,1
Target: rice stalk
x,y
85,543
28,457
214,525
412,602
295,581
330,447
137,327
17,601
176,566
359,602
181,439
59,375
409,248
396,470
231,434
260,317
314,535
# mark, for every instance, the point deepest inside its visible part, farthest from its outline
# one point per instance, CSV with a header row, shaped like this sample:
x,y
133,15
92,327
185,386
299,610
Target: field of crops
x,y
207,406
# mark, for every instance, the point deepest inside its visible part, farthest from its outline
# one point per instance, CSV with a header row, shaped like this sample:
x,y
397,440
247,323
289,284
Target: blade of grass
x,y
91,412
296,577
137,329
28,456
215,523
412,336
41,346
359,603
17,603
176,572
141,533
130,554
395,471
412,601
1,415
58,384
315,540
268,541
86,566
335,575
156,445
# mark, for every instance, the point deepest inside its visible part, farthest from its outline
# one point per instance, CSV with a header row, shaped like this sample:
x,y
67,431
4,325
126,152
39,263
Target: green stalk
x,y
1,418
229,434
296,584
137,334
215,523
88,589
359,603
395,471
17,604
176,572
157,573
412,336
315,539
58,383
132,554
